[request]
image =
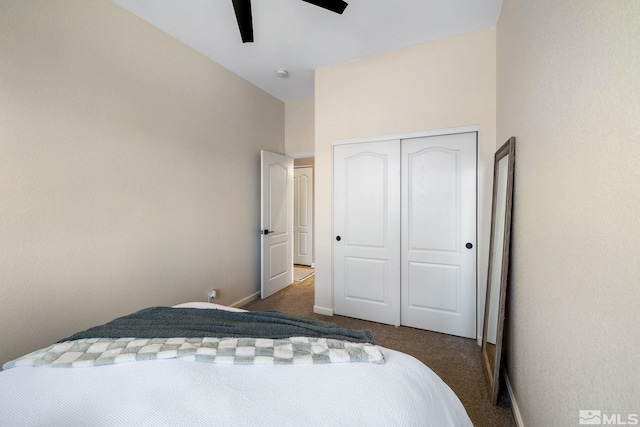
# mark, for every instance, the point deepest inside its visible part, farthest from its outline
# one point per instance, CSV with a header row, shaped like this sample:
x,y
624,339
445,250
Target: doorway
x,y
286,221
303,215
303,226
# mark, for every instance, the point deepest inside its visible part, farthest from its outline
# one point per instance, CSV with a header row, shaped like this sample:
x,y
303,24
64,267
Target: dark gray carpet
x,y
456,360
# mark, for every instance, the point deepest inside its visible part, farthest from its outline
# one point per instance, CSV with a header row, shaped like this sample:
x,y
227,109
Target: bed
x,y
347,385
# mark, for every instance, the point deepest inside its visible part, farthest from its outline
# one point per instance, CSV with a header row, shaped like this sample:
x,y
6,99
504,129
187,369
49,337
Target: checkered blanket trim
x,y
231,351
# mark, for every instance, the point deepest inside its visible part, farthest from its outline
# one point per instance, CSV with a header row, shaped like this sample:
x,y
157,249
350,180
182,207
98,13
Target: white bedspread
x,y
401,392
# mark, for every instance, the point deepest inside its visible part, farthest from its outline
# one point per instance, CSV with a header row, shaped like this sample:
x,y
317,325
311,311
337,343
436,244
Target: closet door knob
x,y
468,245
338,238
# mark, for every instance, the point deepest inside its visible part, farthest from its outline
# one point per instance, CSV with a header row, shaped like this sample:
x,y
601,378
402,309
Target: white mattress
x,y
400,392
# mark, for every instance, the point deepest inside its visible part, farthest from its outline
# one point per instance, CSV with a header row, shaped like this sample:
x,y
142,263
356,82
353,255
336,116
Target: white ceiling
x,y
301,37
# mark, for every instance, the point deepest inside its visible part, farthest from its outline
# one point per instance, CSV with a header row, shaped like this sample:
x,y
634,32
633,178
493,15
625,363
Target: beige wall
x,y
569,91
443,84
299,128
118,147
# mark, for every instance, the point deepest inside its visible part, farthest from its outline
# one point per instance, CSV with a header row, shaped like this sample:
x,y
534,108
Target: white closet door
x,y
438,279
366,246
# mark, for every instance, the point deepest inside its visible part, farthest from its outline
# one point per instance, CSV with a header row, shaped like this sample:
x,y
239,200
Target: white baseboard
x,y
246,300
322,310
514,404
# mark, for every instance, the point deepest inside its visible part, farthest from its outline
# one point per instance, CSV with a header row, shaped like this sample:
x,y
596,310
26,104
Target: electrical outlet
x,y
213,294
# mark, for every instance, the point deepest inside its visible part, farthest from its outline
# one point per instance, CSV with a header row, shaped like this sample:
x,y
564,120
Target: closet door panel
x,y
434,200
365,279
366,222
365,201
438,279
442,292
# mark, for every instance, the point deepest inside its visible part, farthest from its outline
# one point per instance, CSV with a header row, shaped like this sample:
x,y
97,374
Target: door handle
x,y
468,245
265,232
338,238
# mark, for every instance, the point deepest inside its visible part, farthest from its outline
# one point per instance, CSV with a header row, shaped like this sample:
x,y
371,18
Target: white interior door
x,y
366,203
276,222
303,216
438,279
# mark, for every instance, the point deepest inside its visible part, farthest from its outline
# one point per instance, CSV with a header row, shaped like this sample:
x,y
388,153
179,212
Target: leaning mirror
x,y
498,265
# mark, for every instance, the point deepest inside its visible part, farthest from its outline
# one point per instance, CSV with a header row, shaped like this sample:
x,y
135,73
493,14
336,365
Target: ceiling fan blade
x,y
337,6
245,20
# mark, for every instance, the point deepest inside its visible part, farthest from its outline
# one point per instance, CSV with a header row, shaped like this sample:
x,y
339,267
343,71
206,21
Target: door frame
x,y
408,135
401,136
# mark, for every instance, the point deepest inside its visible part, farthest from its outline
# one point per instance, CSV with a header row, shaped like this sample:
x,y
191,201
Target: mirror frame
x,y
493,375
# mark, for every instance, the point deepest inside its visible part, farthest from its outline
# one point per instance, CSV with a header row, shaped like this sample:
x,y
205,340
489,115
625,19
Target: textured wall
x,y
443,84
129,171
299,127
568,90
